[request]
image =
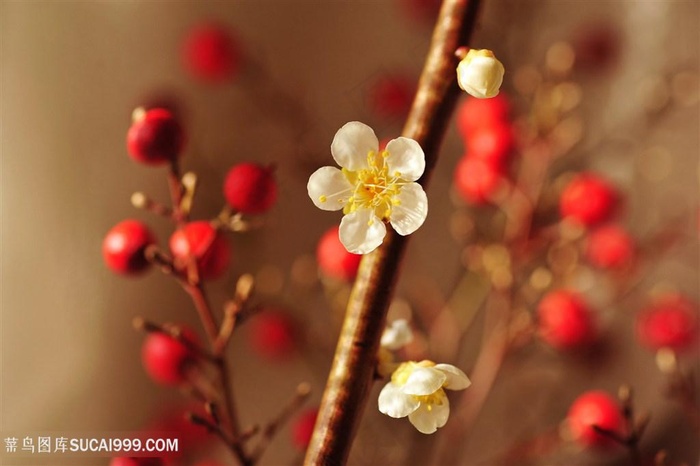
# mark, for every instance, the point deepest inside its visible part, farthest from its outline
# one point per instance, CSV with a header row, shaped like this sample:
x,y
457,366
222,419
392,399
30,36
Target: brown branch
x,y
351,375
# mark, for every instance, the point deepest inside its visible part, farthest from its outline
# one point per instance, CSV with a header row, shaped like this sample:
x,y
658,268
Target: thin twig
x,y
493,351
142,201
302,393
351,376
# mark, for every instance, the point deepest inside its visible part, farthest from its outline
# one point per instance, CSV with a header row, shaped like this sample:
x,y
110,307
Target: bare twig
x,y
302,393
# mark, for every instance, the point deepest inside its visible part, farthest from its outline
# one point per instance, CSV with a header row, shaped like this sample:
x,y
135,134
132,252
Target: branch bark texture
x,y
352,373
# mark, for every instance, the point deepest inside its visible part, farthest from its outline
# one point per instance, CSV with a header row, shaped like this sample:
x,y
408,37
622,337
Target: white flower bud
x,y
480,74
397,335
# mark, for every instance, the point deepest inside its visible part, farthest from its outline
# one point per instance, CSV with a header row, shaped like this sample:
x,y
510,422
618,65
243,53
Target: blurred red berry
x,y
333,259
205,244
473,113
564,320
272,335
492,144
303,428
132,461
123,247
609,247
210,463
166,358
588,199
211,53
594,408
155,137
476,181
250,188
671,321
174,420
391,96
597,47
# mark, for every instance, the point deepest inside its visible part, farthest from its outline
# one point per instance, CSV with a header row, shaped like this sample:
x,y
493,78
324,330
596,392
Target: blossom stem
x,y
351,375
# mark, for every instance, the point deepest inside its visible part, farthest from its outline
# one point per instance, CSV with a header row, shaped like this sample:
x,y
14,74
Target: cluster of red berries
x,y
487,132
592,202
156,137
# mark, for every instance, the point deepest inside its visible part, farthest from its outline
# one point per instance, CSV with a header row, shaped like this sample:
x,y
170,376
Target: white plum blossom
x,y
417,390
372,187
480,74
397,335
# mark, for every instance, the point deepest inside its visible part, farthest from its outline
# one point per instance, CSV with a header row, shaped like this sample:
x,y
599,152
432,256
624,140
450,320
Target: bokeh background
x,y
73,71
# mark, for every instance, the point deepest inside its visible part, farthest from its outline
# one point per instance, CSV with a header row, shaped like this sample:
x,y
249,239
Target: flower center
x,y
375,188
434,399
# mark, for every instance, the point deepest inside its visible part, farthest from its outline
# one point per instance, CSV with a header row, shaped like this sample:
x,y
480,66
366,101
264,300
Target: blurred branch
x,y
351,375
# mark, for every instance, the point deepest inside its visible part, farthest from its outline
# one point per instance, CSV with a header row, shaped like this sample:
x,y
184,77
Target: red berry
x,y
211,53
272,335
492,144
476,181
333,259
174,420
597,47
588,199
303,428
166,358
132,461
155,137
391,96
671,321
473,113
202,242
594,408
123,247
610,247
564,320
250,188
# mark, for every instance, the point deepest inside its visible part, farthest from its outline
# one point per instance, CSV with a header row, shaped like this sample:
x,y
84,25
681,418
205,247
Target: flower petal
x,y
351,145
410,212
361,231
456,379
424,381
397,334
405,157
328,188
428,418
393,402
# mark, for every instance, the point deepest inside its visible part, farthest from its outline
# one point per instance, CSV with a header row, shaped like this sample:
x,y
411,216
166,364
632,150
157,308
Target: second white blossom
x,y
417,390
